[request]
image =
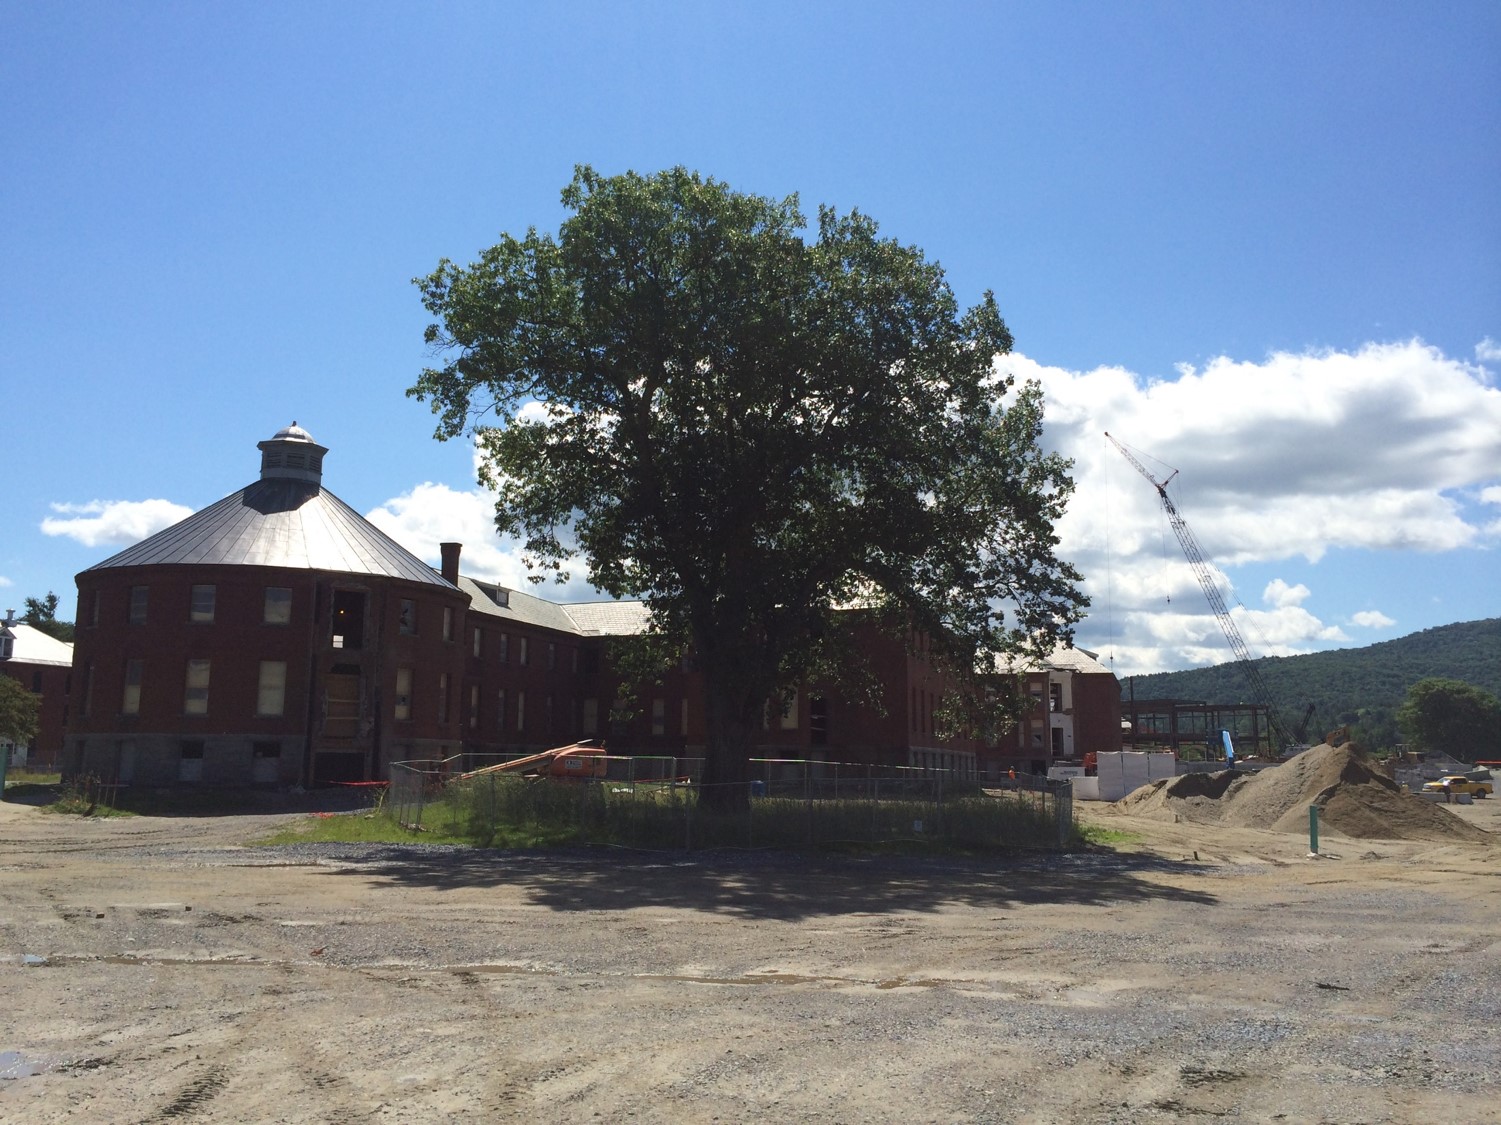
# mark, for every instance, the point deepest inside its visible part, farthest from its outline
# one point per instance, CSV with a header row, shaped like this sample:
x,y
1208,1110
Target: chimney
x,y
450,569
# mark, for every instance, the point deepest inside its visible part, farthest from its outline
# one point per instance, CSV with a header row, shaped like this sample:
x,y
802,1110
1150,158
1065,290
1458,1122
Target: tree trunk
x,y
731,715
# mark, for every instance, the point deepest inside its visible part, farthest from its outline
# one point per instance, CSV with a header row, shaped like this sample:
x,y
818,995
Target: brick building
x,y
43,665
277,637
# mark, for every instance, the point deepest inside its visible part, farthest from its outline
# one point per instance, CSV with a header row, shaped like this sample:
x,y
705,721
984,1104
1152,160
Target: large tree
x,y
41,613
755,433
1452,716
20,712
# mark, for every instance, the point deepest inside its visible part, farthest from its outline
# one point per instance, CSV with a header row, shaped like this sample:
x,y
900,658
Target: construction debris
x,y
1355,799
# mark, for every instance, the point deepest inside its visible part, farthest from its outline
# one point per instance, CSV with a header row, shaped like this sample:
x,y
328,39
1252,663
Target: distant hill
x,y
1362,687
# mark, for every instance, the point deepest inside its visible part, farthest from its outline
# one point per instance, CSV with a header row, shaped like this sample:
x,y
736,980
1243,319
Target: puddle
x,y
13,1064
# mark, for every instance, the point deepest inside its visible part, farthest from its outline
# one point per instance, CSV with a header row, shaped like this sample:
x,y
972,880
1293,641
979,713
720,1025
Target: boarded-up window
x,y
201,608
271,693
195,694
403,706
131,703
277,609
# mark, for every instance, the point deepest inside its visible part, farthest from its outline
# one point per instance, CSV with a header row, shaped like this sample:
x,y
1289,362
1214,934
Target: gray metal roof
x,y
279,522
513,605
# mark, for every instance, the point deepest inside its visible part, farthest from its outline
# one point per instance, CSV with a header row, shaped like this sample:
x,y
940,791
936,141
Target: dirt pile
x,y
1354,797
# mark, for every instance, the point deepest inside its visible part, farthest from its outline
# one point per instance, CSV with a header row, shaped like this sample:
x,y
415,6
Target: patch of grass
x,y
381,828
84,798
25,776
1096,836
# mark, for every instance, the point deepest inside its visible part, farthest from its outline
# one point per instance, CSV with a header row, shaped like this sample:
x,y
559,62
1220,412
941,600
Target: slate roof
x,y
513,605
589,619
609,619
279,522
1059,660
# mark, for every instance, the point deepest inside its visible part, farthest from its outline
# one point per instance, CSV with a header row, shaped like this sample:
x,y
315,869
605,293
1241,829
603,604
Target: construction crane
x,y
1259,691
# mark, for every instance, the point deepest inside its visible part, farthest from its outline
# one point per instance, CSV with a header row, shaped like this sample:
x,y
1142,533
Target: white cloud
x,y
431,514
1279,593
4,581
1382,449
1372,619
1488,351
113,522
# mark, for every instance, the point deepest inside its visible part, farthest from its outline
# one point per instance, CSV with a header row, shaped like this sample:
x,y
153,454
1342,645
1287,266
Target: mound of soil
x,y
1355,799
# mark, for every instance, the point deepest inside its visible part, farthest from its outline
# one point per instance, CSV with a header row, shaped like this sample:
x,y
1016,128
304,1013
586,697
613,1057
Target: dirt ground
x,y
163,970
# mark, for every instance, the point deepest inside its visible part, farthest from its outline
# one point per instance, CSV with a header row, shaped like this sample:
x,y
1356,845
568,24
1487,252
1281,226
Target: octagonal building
x,y
276,636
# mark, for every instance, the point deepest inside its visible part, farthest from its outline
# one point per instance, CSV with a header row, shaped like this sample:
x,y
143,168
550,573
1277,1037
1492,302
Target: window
x,y
505,648
789,712
478,646
552,656
131,703
500,709
448,623
88,688
138,604
1055,697
7,647
201,609
442,697
659,716
590,721
190,760
521,651
278,606
521,710
547,714
348,629
683,718
271,695
403,708
473,706
195,697
406,623
818,720
93,608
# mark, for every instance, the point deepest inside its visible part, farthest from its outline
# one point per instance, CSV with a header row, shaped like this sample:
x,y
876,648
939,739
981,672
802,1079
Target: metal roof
x,y
32,646
279,522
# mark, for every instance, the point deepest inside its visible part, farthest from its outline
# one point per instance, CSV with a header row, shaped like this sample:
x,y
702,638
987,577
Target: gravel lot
x,y
162,970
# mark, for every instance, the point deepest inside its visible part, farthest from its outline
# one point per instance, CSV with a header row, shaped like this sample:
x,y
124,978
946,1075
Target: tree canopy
x,y
20,712
41,613
754,432
1457,718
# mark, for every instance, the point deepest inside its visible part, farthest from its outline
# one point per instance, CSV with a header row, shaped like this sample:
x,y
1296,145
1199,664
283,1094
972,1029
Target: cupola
x,y
292,455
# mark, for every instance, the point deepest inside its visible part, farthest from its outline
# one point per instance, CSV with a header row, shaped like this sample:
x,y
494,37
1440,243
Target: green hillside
x,y
1362,687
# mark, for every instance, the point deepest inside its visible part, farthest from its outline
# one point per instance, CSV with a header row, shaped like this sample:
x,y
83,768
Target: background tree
x,y
41,613
20,712
755,433
1457,718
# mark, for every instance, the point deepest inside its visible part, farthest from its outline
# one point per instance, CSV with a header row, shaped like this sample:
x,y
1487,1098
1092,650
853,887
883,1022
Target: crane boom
x,y
1205,576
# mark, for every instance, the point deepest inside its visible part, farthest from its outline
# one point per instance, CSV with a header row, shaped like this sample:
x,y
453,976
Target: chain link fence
x,y
656,803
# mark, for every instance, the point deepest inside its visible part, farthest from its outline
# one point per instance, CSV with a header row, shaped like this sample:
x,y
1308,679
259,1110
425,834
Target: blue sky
x,y
1260,242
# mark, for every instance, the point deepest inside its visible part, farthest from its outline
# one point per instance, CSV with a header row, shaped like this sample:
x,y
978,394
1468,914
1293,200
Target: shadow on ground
x,y
781,885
